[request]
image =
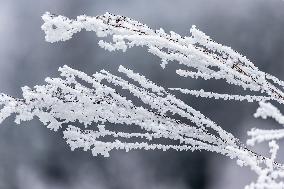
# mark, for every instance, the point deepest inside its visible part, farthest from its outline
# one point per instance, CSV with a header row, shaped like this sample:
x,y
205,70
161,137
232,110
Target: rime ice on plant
x,y
65,101
104,111
205,59
198,52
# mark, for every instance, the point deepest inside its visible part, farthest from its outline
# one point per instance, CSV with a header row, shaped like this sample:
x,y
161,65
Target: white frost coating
x,y
199,52
66,100
266,109
144,82
259,135
204,94
61,28
198,74
268,176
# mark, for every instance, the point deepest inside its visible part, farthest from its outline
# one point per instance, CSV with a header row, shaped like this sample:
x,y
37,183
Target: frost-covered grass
x,y
97,101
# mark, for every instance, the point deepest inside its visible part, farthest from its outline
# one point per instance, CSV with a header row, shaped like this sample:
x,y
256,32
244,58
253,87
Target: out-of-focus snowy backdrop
x,y
33,157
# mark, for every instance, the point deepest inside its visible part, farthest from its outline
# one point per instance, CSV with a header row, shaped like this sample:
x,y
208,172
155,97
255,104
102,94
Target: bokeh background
x,y
33,157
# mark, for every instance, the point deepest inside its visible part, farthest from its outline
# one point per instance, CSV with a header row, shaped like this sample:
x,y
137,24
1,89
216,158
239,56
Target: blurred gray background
x,y
33,157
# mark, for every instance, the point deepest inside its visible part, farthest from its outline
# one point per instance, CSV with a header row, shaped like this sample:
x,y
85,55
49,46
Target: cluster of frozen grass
x,y
98,103
66,100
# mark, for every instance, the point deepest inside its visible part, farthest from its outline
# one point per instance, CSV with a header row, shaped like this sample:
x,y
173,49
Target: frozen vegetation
x,y
160,120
